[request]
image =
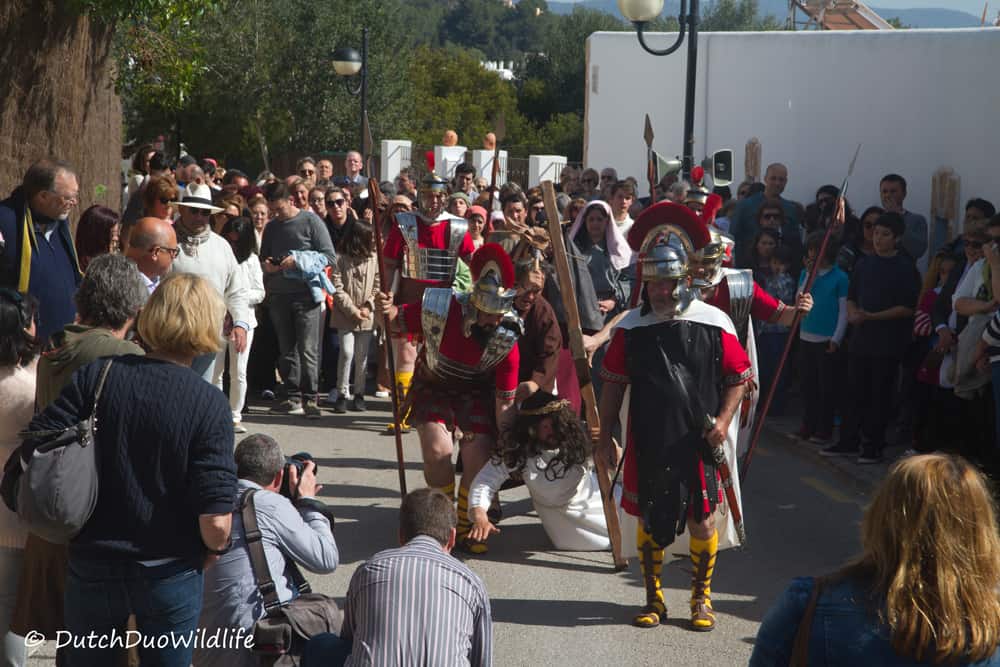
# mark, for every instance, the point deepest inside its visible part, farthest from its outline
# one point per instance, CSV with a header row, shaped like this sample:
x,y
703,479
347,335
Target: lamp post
x,y
641,12
346,63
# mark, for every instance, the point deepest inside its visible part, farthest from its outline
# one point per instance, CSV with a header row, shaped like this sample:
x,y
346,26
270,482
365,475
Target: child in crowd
x,y
243,239
880,304
771,337
763,250
936,410
820,337
356,282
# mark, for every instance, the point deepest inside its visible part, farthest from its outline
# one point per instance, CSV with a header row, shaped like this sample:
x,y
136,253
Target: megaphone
x,y
665,167
722,167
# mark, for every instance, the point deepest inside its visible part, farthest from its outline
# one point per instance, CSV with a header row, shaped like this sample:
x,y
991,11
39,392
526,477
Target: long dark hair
x,y
357,241
17,312
519,442
246,242
93,233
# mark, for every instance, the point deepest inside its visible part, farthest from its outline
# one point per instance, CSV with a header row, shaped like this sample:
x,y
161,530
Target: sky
x,y
974,7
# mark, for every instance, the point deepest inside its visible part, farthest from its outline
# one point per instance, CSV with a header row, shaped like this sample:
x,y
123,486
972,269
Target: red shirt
x,y
456,347
735,363
764,307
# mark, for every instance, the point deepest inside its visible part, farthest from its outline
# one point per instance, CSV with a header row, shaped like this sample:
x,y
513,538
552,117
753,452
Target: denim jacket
x,y
846,631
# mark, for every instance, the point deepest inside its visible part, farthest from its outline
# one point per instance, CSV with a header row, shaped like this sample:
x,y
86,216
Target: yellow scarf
x,y
28,243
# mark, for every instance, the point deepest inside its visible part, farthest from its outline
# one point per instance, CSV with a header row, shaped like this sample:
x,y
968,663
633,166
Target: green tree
x,y
897,24
735,16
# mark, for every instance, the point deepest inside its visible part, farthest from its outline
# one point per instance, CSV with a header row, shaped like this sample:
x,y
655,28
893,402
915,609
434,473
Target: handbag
x,y
280,636
51,481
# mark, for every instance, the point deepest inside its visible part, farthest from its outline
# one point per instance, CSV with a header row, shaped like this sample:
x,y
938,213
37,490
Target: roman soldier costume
x,y
678,367
426,246
736,293
463,368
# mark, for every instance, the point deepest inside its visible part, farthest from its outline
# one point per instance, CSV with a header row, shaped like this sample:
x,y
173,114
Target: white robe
x,y
697,311
570,507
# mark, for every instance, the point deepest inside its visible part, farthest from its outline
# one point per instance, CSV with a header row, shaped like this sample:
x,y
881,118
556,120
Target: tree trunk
x,y
57,98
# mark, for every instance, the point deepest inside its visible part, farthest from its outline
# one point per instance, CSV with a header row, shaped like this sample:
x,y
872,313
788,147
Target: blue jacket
x,y
47,269
846,631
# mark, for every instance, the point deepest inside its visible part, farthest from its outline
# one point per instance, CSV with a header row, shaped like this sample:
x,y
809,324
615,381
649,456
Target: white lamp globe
x,y
639,11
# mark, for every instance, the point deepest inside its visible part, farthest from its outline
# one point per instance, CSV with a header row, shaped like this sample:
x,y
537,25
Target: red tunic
x,y
735,370
765,307
468,405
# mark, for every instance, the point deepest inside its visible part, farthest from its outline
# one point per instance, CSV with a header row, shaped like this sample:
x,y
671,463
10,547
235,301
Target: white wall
x,y
916,99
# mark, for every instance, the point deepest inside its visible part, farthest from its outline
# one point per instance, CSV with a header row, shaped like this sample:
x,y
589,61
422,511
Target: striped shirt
x,y
991,336
417,605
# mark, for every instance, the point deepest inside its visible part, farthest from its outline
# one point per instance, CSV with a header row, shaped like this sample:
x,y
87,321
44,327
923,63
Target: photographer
x,y
291,528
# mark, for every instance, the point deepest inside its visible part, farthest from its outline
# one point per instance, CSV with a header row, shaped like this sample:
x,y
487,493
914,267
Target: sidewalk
x,y
782,430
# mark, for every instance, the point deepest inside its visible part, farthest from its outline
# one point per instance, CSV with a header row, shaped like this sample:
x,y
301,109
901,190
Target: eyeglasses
x,y
336,202
173,252
164,200
67,199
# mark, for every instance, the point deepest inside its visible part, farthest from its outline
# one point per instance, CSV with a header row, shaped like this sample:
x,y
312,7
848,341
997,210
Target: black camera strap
x,y
258,559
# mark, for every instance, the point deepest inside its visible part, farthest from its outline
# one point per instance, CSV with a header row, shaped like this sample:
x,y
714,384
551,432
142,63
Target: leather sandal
x,y
702,615
652,615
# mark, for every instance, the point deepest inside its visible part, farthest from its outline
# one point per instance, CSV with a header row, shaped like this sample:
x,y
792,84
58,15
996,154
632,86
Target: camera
x,y
297,461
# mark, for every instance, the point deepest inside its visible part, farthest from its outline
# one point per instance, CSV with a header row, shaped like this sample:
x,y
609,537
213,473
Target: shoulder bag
x,y
51,481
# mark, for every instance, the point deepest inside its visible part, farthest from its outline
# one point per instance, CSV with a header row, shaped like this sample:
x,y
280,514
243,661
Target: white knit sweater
x,y
17,406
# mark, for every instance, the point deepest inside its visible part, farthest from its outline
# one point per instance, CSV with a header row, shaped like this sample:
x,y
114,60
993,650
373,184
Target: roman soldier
x,y
466,373
735,292
686,374
426,245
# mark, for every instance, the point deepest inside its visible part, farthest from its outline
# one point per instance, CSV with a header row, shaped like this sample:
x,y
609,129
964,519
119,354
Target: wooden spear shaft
x,y
582,369
374,196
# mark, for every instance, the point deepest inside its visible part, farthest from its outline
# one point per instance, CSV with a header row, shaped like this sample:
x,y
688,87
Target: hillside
x,y
935,17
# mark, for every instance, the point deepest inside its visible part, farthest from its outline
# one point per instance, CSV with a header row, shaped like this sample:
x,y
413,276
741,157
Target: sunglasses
x,y
336,202
164,200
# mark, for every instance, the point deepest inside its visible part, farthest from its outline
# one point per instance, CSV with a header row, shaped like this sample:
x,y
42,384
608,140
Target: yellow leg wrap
x,y
448,490
703,554
464,525
403,381
651,564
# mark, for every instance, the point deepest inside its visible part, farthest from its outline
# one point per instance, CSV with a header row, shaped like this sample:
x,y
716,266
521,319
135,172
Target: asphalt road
x,y
551,607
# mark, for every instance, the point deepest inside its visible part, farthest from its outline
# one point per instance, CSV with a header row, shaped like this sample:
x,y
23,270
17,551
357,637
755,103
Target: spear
x,y
582,369
385,280
498,132
647,135
810,279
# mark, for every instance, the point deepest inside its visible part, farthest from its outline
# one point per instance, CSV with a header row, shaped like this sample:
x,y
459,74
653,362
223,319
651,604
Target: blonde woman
x,y
924,590
168,479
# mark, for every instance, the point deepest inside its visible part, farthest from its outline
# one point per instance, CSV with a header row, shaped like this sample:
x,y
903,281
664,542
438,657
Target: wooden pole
x,y
374,196
582,369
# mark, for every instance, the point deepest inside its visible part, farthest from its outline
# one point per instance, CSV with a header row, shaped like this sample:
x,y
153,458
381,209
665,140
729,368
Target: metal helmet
x,y
665,236
493,280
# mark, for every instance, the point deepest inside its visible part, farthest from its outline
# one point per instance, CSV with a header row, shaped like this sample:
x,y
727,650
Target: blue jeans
x,y
770,345
326,649
165,599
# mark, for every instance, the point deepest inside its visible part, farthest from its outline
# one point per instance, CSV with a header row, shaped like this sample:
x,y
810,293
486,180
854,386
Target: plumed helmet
x,y
493,280
433,183
665,235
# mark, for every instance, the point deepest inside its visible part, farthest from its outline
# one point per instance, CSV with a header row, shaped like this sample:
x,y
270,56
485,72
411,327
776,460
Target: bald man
x,y
743,222
152,245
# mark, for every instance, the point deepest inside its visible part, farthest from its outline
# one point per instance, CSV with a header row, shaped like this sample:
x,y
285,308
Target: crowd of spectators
x,y
285,269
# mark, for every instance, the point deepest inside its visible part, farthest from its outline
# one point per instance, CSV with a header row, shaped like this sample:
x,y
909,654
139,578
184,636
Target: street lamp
x,y
347,62
641,12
